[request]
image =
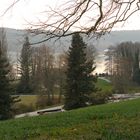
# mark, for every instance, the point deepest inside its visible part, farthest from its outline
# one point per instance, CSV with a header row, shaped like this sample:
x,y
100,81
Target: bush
x,y
100,97
20,108
41,101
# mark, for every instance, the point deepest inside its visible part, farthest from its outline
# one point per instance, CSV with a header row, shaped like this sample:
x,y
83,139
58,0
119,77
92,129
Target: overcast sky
x,y
29,10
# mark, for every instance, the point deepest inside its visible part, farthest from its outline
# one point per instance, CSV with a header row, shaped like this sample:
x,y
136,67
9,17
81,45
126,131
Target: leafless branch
x,y
91,17
103,16
11,6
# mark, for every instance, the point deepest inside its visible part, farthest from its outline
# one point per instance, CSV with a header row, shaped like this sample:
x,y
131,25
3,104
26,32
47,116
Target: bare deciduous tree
x,y
123,65
109,60
62,66
43,71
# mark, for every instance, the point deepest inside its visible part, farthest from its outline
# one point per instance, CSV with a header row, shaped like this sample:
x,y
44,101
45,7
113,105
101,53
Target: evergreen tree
x,y
6,100
80,80
25,81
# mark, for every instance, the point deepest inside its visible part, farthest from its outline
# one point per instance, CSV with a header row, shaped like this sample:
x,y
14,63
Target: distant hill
x,y
15,40
116,37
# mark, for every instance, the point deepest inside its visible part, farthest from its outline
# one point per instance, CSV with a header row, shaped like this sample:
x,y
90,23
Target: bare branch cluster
x,y
10,6
91,17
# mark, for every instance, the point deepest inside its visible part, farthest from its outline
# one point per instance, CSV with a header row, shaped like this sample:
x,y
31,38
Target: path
x,y
38,112
120,97
103,78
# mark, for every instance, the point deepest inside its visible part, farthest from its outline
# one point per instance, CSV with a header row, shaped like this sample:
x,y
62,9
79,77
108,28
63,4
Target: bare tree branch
x,y
91,17
11,6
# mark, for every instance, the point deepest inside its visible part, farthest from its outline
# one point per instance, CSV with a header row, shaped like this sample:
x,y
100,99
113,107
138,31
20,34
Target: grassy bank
x,y
116,121
104,85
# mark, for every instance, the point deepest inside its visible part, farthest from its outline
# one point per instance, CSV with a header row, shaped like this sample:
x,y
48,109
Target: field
x,y
28,99
114,121
31,99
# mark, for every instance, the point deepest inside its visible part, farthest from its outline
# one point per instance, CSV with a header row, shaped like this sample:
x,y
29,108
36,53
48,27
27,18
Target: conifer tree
x,y
80,80
25,81
6,100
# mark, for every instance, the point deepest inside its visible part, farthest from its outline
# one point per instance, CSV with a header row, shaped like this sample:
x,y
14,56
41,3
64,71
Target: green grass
x,y
115,121
102,84
31,99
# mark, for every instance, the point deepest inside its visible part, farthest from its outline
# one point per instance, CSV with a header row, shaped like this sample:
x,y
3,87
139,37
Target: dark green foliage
x,y
136,68
20,108
5,98
79,81
136,76
25,84
41,101
100,97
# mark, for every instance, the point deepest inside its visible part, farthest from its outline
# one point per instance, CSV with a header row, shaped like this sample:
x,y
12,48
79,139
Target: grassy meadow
x,y
114,121
102,84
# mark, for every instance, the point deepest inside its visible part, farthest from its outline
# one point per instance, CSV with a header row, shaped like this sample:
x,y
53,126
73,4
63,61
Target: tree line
x,y
123,65
39,72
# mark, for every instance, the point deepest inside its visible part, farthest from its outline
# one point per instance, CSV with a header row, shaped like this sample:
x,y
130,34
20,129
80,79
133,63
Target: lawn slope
x,y
115,121
104,85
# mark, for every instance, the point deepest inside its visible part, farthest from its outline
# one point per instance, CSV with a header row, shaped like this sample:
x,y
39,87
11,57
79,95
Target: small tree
x,y
43,71
80,80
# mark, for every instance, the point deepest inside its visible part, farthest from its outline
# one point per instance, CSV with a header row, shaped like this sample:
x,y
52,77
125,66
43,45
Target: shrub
x,y
41,101
100,97
20,108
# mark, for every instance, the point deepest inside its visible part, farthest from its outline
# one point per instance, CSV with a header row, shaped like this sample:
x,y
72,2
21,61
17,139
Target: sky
x,y
23,12
27,11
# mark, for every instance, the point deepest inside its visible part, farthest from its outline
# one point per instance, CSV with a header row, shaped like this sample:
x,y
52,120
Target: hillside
x,y
15,39
115,121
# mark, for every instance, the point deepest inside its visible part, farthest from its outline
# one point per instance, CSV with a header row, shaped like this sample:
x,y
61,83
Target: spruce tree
x,y
5,99
25,81
80,80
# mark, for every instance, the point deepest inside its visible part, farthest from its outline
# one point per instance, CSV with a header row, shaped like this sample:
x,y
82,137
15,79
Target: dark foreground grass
x,y
116,121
